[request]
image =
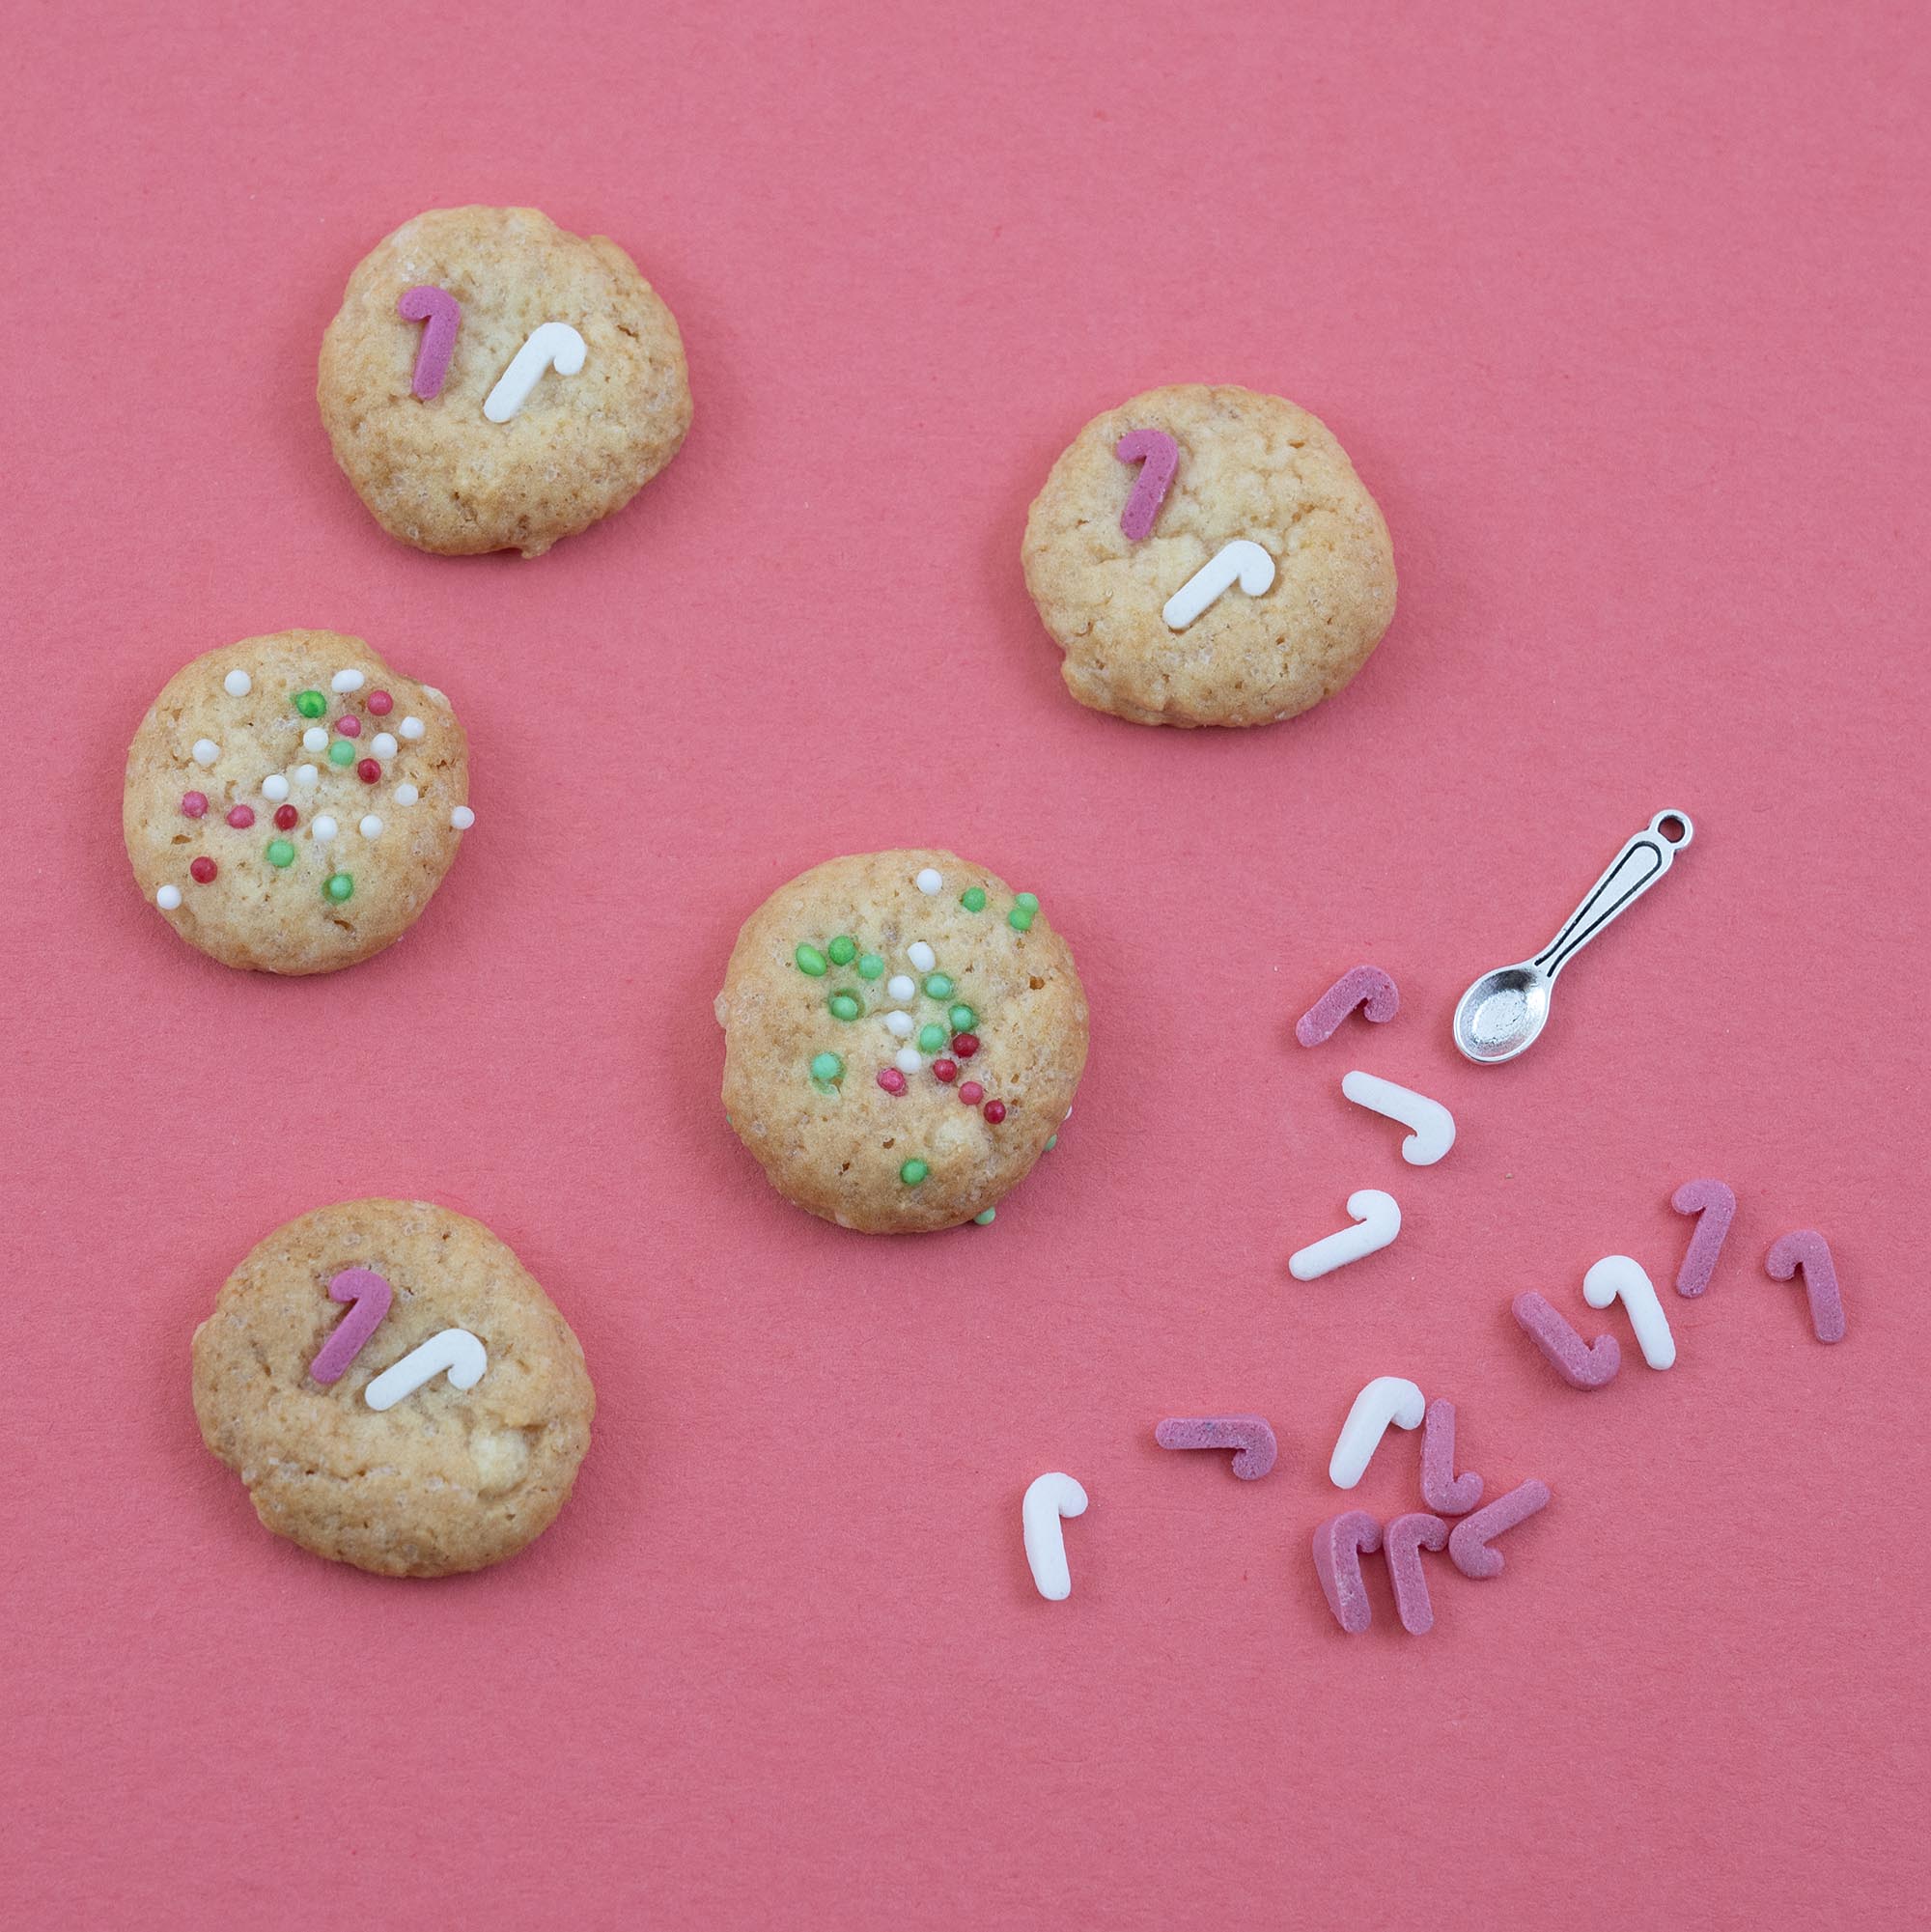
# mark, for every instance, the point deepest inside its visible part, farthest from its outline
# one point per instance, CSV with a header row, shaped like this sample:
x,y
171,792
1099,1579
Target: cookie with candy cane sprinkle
x,y
459,1461
1255,586
557,387
246,772
903,1034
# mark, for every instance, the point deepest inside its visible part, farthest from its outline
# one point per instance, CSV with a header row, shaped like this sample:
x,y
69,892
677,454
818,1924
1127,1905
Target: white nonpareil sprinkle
x,y
347,680
305,775
275,788
921,956
462,818
238,683
315,739
370,827
899,1024
206,752
411,728
407,795
168,898
382,745
325,827
907,1061
899,987
929,881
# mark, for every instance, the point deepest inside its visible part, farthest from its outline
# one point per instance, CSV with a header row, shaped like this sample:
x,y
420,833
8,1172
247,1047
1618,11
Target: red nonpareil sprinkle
x,y
381,703
964,1045
971,1093
241,817
203,869
945,1070
368,771
193,804
891,1079
286,817
349,726
995,1110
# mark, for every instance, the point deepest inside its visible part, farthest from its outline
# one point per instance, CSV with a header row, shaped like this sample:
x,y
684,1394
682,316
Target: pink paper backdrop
x,y
1622,313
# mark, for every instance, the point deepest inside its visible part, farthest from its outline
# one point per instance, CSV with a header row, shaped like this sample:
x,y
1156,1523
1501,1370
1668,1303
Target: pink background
x,y
1622,314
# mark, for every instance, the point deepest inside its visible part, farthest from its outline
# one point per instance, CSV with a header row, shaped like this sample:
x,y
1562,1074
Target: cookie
x,y
304,1386
1161,621
291,803
903,1034
433,340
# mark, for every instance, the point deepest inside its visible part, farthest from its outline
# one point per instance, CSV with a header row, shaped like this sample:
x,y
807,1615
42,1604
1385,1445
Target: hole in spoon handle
x,y
1633,870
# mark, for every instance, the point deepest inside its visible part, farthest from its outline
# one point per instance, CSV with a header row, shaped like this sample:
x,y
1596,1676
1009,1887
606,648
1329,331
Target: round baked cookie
x,y
434,469
903,1034
445,1477
1250,468
291,803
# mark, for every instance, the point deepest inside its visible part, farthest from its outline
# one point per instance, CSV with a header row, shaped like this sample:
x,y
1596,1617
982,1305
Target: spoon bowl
x,y
1501,1013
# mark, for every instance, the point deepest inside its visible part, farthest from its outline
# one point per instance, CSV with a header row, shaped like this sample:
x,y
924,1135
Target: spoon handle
x,y
1633,870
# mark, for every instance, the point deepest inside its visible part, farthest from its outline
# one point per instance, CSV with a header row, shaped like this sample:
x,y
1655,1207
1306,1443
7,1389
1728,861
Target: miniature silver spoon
x,y
1500,1015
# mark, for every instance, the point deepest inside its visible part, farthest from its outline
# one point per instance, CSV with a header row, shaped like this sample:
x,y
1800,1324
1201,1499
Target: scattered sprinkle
x,y
286,817
193,804
238,683
275,788
929,881
368,771
843,949
945,1070
891,1079
870,965
973,898
347,680
407,795
900,1025
994,1112
988,1216
462,818
921,956
937,986
240,817
338,885
844,1006
306,774
168,898
907,1061
349,725
206,752
1027,901
971,1093
311,704
964,1045
930,1039
315,739
325,829
281,853
901,987
341,752
383,746
962,1019
827,1068
1020,919
203,870
913,1172
370,827
1051,1141
810,961
381,703
412,727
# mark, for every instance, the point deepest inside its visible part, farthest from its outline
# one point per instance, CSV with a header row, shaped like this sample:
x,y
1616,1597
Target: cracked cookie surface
x,y
437,473
902,1035
448,1480
1250,466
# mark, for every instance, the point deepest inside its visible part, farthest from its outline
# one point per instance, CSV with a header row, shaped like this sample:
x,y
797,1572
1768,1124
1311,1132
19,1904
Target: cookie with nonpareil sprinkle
x,y
903,1033
1207,555
494,382
292,802
393,1389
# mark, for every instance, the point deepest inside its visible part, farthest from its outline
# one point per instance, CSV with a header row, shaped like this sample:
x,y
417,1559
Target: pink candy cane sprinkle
x,y
1159,457
439,309
1364,986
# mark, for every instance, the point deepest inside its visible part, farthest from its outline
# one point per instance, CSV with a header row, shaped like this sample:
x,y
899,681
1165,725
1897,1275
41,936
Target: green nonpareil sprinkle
x,y
870,965
810,961
962,1019
973,898
339,886
827,1068
1029,900
1020,919
845,1006
342,752
311,704
1051,1141
281,853
913,1172
930,1039
990,1216
937,986
843,950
